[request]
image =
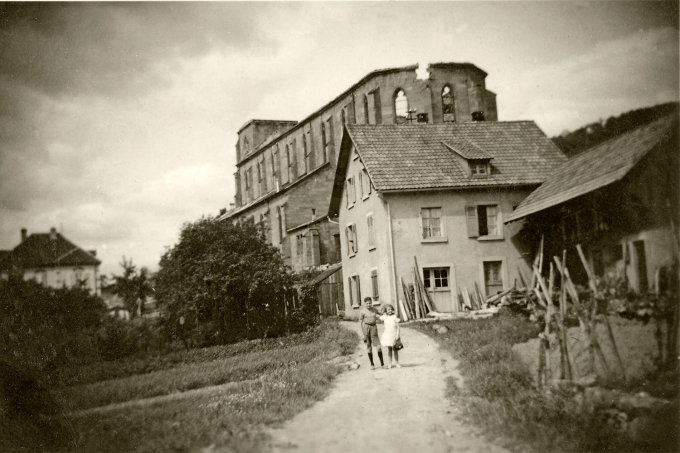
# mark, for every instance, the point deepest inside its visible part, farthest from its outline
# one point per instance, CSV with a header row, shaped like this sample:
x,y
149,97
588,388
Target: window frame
x,y
395,97
442,231
448,117
429,278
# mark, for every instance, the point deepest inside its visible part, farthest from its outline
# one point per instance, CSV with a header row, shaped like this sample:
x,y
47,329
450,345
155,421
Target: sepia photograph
x,y
340,226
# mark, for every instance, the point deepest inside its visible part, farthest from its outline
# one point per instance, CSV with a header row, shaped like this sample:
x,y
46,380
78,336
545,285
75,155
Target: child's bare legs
x,y
389,356
396,358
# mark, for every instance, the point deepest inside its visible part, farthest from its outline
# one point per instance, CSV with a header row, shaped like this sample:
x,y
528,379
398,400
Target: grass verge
x,y
499,397
283,377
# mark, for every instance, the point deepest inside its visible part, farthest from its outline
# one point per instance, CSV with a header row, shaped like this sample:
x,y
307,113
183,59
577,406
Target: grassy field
x,y
272,381
499,397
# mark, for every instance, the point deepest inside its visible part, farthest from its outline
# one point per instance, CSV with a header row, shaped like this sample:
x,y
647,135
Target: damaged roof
x,y
47,250
597,167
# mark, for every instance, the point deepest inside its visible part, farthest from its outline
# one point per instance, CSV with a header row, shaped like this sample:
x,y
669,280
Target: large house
x,y
285,169
438,193
619,200
52,260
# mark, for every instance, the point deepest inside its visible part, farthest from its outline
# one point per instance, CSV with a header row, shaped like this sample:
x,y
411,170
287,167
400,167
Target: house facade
x,y
285,170
619,200
51,260
437,194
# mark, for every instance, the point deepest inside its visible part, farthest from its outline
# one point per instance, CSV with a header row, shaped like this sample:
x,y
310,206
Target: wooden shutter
x,y
472,223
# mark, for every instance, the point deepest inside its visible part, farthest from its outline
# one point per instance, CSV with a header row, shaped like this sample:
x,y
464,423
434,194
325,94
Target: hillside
x,y
591,134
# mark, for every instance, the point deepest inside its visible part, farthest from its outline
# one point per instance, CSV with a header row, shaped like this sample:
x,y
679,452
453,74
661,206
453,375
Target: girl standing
x,y
390,334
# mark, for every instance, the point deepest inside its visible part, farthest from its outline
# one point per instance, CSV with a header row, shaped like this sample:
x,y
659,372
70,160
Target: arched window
x,y
366,117
448,111
400,106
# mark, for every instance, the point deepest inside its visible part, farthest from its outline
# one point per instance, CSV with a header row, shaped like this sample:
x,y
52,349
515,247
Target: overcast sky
x,y
118,120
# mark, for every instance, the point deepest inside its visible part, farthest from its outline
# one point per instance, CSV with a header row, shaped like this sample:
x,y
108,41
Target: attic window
x,y
479,168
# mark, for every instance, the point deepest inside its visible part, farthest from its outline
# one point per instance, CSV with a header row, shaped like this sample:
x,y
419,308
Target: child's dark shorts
x,y
371,335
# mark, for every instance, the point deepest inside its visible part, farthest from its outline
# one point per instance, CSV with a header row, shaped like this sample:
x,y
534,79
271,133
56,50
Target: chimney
x,y
53,234
24,233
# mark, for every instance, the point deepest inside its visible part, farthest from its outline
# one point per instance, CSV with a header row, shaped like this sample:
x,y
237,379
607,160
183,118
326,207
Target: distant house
x,y
438,193
619,200
52,260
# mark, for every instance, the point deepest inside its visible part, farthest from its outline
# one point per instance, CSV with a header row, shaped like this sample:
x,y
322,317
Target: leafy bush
x,y
44,328
116,338
223,283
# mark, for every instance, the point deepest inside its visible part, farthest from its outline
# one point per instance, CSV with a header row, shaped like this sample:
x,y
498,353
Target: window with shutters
x,y
431,219
354,291
371,231
484,222
364,184
350,192
351,236
374,285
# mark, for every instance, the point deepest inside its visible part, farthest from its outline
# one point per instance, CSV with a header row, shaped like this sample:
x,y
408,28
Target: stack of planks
x,y
417,302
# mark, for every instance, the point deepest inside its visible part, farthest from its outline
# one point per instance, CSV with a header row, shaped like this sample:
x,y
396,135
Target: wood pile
x,y
417,302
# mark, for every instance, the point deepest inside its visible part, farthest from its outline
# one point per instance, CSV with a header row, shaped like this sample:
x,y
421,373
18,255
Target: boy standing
x,y
368,317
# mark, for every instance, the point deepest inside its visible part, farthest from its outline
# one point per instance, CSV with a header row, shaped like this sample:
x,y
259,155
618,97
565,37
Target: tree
x,y
132,286
223,283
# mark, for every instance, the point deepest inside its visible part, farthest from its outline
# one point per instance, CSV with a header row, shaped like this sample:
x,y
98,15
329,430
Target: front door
x,y
493,282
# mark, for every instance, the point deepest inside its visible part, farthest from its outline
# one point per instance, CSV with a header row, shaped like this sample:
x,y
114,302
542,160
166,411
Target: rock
x,y
442,330
563,385
615,419
642,430
600,397
640,403
586,381
353,366
435,326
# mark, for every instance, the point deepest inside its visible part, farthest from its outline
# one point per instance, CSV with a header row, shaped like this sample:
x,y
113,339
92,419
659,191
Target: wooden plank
x,y
479,296
466,298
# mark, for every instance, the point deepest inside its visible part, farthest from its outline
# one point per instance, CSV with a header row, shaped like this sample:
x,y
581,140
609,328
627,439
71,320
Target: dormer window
x,y
479,168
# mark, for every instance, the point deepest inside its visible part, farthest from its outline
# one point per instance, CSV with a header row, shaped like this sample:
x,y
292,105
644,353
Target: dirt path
x,y
397,410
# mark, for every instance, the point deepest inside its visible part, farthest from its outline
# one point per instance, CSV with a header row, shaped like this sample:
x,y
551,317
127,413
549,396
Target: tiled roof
x,y
597,167
412,157
466,149
40,250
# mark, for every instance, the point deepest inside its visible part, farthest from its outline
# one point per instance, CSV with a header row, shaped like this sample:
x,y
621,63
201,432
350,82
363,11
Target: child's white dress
x,y
391,331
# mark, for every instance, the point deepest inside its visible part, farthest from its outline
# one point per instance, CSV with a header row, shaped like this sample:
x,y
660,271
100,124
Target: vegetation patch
x,y
280,382
498,394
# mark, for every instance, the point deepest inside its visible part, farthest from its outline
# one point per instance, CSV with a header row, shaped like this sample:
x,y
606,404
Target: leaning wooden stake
x,y
593,287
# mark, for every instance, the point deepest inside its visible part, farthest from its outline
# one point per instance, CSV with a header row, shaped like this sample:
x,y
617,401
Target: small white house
x,y
52,260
